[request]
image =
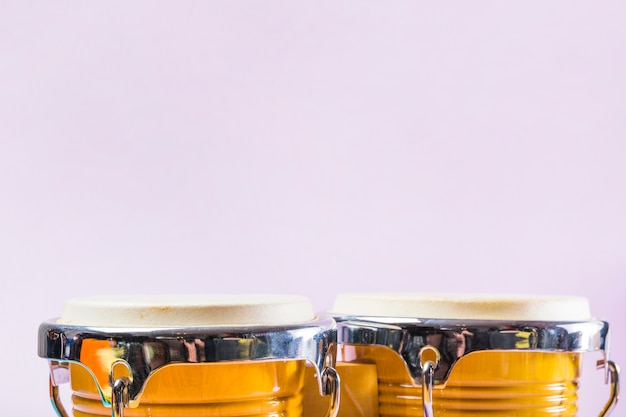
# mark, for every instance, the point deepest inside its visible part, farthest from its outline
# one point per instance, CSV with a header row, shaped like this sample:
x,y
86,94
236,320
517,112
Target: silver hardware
x,y
613,371
144,350
59,374
119,379
428,360
456,338
330,386
119,396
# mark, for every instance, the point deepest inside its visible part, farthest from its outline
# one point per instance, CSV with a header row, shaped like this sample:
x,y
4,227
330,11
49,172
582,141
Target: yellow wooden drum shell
x,y
494,383
263,388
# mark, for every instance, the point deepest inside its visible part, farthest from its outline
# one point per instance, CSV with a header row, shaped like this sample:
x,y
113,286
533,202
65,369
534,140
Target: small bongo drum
x,y
189,355
452,355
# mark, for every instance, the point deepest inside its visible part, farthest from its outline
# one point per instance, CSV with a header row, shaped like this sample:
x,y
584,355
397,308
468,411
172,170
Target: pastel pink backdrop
x,y
307,147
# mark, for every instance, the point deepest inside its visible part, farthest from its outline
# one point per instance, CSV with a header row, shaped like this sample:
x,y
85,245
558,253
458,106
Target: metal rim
x,y
144,350
457,338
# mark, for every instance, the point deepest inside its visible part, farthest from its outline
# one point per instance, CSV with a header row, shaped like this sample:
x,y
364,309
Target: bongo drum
x,y
189,355
450,355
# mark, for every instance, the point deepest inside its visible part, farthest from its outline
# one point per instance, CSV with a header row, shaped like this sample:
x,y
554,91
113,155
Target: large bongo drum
x,y
452,355
189,355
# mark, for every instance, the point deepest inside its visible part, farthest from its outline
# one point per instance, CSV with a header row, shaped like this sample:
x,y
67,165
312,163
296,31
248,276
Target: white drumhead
x,y
464,306
201,310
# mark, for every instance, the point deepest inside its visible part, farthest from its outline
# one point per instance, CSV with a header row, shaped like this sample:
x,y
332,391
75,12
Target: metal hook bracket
x,y
613,378
428,358
331,386
120,379
59,374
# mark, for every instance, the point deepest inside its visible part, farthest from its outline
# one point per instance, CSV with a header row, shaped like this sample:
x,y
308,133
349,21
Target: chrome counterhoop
x,y
455,338
144,350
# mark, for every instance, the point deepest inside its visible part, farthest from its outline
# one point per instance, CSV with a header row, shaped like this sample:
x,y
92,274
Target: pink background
x,y
311,148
